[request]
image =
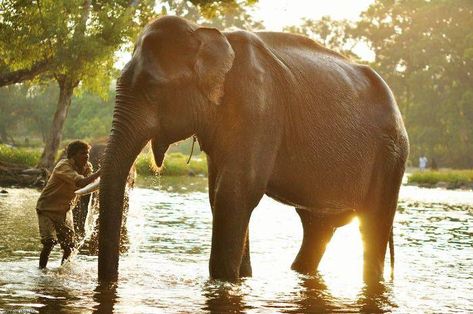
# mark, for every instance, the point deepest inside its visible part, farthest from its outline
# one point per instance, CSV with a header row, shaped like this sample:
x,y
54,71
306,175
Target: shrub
x,y
145,164
455,177
23,156
175,164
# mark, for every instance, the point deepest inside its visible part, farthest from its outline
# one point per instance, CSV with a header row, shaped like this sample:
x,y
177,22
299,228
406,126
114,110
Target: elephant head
x,y
167,91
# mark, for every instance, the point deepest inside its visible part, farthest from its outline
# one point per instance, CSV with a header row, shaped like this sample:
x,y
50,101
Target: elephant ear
x,y
213,61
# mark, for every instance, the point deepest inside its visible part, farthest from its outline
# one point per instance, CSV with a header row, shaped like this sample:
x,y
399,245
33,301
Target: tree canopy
x,y
424,50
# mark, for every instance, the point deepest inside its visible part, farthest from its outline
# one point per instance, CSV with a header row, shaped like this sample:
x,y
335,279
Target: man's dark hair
x,y
75,147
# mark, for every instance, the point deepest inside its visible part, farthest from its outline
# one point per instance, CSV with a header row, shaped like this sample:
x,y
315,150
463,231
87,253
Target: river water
x,y
165,267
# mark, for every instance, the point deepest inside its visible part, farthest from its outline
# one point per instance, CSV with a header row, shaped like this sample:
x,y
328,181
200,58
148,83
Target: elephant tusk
x,y
89,188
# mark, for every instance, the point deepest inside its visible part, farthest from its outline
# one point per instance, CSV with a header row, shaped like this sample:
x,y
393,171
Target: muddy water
x,y
165,269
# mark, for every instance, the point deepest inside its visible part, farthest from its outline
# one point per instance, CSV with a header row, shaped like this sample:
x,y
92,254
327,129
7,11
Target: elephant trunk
x,y
129,134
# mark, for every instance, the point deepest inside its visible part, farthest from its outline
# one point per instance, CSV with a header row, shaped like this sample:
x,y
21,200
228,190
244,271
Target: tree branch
x,y
18,76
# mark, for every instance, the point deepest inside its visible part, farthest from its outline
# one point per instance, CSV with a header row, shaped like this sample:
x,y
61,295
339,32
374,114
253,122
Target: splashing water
x,y
89,227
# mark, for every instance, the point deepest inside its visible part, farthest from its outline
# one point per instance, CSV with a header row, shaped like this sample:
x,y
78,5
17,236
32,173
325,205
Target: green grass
x,y
175,164
454,178
23,156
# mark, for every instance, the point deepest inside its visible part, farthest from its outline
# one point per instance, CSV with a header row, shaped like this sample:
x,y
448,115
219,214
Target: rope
x,y
194,138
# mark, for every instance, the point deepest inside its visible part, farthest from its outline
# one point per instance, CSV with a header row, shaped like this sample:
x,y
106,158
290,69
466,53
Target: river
x,y
165,267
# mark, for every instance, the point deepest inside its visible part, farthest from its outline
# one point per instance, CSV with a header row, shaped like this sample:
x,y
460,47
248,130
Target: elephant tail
x,y
391,252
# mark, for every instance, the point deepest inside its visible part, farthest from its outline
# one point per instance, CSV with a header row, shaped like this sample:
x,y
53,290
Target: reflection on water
x,y
166,266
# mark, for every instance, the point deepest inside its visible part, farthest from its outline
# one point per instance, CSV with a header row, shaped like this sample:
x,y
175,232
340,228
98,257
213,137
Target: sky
x,y
276,14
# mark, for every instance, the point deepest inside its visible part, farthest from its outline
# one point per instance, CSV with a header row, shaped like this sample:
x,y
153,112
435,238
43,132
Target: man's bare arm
x,y
83,182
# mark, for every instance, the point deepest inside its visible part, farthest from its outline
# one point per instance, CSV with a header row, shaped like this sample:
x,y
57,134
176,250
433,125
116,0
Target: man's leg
x,y
44,256
47,232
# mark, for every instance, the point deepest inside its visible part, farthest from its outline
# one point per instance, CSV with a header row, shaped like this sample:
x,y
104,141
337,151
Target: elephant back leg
x,y
317,233
376,219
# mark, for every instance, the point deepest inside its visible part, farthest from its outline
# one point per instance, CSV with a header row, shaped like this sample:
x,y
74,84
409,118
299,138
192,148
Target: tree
x,y
77,37
424,49
25,110
90,117
219,14
333,34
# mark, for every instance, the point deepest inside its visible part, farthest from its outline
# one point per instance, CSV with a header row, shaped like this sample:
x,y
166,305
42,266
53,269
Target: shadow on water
x,y
376,298
315,297
221,297
105,295
312,295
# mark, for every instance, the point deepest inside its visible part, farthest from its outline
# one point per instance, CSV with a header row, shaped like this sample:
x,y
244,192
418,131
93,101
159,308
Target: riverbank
x,y
442,178
17,169
17,166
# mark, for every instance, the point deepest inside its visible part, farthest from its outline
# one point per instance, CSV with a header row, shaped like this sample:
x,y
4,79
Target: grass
x,y
454,178
175,164
22,156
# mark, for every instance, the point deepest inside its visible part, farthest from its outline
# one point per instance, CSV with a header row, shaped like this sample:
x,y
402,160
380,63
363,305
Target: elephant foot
x,y
373,272
245,269
224,276
230,273
224,271
303,267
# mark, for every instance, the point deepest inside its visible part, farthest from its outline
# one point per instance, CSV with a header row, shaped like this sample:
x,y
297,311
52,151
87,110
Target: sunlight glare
x,y
342,264
280,13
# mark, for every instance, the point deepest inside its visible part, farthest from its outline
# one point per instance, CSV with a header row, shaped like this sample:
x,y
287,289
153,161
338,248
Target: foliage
x,y
90,117
424,50
22,156
333,34
222,14
454,177
78,38
175,164
25,110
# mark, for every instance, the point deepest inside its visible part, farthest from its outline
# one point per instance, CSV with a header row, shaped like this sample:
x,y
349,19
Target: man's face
x,y
81,158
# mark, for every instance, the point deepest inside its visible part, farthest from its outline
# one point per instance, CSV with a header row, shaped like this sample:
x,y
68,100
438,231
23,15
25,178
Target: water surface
x,y
165,268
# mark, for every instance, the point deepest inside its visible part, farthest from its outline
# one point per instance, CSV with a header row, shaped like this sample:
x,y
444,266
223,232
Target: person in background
x,y
422,162
54,204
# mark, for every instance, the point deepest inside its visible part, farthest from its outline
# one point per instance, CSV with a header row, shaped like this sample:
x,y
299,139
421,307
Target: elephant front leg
x,y
234,199
230,228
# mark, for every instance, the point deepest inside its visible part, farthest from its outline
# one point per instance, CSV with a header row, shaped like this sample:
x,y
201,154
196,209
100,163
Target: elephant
x,y
276,114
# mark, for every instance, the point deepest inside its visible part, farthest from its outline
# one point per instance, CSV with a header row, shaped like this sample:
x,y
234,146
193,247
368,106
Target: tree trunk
x,y
66,89
3,134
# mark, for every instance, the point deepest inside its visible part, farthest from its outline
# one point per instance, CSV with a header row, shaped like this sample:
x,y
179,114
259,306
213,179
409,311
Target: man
x,y
422,162
54,204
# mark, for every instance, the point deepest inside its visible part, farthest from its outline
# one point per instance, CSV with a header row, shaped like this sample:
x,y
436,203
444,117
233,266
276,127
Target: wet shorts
x,y
56,228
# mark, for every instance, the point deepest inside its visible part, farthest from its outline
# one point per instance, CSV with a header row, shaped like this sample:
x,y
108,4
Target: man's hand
x,y
83,182
88,169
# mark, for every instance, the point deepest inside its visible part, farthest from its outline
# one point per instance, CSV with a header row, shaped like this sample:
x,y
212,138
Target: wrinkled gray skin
x,y
276,114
